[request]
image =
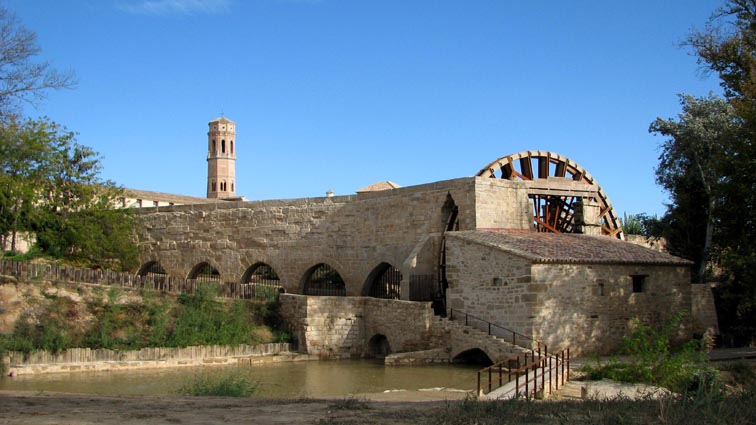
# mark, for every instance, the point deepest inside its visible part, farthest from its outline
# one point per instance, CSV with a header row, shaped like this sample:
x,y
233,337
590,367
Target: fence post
x,y
527,390
517,383
550,377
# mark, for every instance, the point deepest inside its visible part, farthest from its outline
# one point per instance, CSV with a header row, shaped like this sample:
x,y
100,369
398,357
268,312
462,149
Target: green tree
x,y
692,164
22,156
727,47
50,184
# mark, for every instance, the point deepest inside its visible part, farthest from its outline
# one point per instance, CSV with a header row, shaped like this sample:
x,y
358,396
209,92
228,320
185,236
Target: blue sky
x,y
338,94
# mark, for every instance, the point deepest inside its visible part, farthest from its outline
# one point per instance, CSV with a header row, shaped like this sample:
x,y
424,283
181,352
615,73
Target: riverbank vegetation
x,y
226,384
60,316
651,357
697,408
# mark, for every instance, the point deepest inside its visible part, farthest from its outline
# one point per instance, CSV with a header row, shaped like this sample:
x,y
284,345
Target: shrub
x,y
653,361
226,384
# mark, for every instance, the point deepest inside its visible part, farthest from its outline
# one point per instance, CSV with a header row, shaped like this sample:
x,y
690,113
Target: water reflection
x,y
298,379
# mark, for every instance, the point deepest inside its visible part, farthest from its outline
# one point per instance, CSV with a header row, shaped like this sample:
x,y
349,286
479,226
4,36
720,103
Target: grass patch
x,y
224,384
702,407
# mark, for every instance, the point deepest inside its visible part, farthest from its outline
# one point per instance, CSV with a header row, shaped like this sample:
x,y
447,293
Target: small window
x,y
223,146
232,146
212,185
232,186
154,203
601,289
214,150
639,283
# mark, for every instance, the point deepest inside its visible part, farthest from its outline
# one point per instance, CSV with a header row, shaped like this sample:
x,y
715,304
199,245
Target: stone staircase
x,y
457,338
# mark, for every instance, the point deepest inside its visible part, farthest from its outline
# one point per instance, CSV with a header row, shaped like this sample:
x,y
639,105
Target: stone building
x,y
537,250
531,244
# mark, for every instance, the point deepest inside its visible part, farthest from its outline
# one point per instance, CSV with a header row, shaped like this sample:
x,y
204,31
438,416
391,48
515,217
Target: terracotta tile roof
x,y
567,248
378,186
167,197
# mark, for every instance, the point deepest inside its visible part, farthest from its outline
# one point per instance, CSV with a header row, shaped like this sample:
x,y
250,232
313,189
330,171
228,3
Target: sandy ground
x,y
400,407
59,408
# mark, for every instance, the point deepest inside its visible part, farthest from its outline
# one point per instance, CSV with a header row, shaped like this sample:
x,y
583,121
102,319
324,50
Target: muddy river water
x,y
280,380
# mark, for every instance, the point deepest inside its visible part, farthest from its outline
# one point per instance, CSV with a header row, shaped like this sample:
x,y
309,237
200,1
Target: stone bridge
x,y
361,237
344,327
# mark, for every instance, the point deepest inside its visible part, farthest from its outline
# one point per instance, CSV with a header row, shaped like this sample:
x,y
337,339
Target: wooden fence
x,y
87,355
29,272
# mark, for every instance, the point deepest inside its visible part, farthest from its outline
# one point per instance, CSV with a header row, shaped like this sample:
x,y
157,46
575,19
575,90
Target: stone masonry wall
x,y
341,327
502,204
562,304
589,307
704,311
488,284
353,234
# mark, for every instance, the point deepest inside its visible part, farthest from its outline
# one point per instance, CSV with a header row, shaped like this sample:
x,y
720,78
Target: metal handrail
x,y
514,369
538,344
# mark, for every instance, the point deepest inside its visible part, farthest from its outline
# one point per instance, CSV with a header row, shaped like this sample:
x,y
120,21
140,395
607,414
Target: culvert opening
x,y
474,356
378,346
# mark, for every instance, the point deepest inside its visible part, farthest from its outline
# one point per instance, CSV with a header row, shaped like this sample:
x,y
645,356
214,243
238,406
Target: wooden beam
x,y
526,167
543,167
561,169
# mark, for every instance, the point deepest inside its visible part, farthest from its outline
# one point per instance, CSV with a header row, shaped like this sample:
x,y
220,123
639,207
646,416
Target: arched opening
x,y
323,279
232,146
204,272
384,282
379,346
214,149
264,281
223,146
153,268
473,356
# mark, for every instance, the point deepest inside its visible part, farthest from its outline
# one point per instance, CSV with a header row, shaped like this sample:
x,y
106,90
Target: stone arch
x,y
383,282
152,268
473,355
378,346
261,273
322,279
204,272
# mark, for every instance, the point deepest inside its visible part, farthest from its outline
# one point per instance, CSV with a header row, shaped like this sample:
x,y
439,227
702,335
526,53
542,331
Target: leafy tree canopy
x,y
50,184
708,164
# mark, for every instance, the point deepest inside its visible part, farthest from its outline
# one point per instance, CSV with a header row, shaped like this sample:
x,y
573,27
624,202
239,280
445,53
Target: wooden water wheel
x,y
555,213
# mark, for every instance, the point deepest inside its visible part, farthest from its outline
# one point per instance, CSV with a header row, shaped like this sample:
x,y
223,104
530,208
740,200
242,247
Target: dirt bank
x,y
57,408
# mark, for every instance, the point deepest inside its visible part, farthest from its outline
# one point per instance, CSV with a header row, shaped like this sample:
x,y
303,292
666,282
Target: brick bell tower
x,y
221,159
